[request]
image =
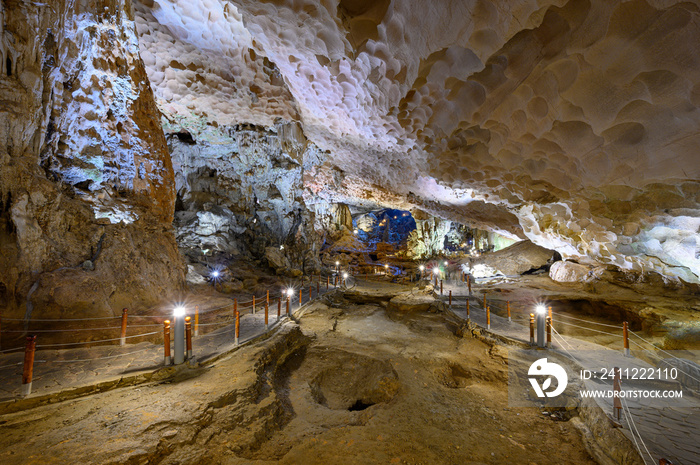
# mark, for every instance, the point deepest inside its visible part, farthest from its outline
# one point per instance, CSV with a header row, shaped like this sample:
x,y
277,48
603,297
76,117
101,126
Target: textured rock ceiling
x,y
573,123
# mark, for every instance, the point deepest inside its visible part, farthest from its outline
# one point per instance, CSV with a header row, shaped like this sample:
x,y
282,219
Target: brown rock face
x,y
86,183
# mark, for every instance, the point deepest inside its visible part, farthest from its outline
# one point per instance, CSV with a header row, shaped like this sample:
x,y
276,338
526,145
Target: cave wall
x,y
428,239
85,178
245,195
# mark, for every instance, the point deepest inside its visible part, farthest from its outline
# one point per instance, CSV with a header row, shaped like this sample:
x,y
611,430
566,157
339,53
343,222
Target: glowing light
x,y
345,276
436,270
337,263
290,291
215,274
355,231
540,309
444,263
386,266
281,247
421,267
179,311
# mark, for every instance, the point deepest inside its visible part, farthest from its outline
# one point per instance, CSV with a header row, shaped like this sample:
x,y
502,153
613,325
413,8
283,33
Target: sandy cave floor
x,y
350,385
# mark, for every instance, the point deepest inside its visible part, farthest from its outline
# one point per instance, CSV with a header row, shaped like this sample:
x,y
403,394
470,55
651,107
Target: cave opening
x,y
8,66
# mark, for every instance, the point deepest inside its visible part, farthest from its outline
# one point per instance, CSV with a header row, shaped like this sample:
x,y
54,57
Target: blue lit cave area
x,y
349,232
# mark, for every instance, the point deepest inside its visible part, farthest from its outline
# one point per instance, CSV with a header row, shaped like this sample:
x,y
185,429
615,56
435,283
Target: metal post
x,y
541,329
188,336
196,320
549,332
617,387
28,369
253,305
266,313
488,317
508,310
532,328
122,340
626,338
166,342
238,327
179,340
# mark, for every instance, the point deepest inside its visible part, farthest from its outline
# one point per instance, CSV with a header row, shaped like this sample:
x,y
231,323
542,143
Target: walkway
x,y
668,427
76,371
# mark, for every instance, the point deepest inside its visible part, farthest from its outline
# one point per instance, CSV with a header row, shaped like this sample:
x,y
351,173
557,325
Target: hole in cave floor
x,y
359,406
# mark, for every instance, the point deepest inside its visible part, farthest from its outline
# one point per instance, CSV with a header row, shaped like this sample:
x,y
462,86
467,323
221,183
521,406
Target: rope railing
x,y
633,429
43,346
588,329
228,317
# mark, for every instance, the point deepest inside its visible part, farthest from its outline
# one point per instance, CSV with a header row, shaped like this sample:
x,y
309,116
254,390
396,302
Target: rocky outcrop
x,y
85,178
428,239
244,195
516,259
568,272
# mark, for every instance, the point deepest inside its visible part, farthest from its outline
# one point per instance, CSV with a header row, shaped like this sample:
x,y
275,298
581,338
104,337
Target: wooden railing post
x,y
28,368
122,340
166,342
188,336
196,320
238,328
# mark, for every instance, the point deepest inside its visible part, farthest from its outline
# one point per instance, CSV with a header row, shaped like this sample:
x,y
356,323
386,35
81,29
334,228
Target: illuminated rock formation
x,y
571,123
85,177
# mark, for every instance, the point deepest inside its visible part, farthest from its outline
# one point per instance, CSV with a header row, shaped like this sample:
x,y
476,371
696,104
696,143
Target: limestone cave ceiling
x,y
572,123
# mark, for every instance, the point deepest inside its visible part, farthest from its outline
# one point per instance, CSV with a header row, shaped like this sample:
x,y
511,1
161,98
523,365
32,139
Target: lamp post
x,y
179,336
421,268
540,315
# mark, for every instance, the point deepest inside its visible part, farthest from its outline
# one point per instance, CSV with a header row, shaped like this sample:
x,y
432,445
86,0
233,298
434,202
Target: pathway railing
x,y
148,331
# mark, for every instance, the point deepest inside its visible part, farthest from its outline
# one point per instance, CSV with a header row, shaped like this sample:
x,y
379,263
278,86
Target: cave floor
x,y
349,384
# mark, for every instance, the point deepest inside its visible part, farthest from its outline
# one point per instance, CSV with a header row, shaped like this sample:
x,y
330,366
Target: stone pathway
x,y
98,367
669,427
